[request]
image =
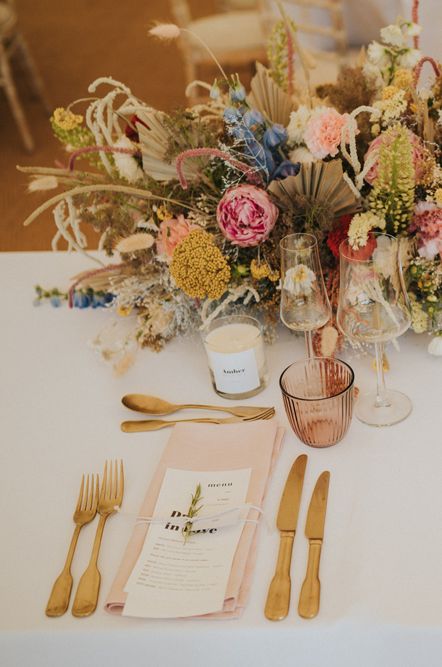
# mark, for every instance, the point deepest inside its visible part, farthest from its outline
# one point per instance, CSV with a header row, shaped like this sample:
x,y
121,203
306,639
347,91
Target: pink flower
x,y
323,132
172,232
419,155
246,215
427,221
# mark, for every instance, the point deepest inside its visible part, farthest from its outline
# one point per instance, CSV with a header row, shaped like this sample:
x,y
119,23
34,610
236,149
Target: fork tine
x,y
96,494
120,484
103,484
115,480
80,495
266,414
86,494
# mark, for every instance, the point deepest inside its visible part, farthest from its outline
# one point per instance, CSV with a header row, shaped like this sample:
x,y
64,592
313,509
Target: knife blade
x,y
278,597
308,606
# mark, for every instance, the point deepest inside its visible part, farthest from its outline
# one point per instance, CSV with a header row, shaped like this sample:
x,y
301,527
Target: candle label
x,y
235,372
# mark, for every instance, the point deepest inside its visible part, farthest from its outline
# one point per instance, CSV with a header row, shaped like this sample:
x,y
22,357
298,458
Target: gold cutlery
x,y
308,605
278,597
153,405
85,511
140,425
111,497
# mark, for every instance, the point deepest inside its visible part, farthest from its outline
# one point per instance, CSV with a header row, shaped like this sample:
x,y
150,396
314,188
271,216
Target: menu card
x,y
185,563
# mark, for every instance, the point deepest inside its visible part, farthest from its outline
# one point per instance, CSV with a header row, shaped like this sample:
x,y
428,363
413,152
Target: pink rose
x,y
246,215
323,132
427,221
419,155
172,232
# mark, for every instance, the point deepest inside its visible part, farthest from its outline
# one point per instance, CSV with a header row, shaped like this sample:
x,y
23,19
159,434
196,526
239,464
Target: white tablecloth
x,y
381,566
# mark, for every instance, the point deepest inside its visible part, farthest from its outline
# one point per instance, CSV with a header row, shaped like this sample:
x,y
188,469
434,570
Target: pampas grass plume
x,y
165,31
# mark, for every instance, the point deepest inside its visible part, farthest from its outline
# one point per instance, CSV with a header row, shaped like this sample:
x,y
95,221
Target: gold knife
x,y
314,530
278,597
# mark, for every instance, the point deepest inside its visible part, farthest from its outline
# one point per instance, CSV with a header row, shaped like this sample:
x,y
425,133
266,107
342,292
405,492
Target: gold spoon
x,y
153,405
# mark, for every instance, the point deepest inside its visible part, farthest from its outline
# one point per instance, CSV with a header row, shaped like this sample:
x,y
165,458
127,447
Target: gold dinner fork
x,y
111,497
140,425
85,511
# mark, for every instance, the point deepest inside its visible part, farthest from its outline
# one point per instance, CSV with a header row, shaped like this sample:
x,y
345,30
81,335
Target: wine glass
x,y
304,301
374,308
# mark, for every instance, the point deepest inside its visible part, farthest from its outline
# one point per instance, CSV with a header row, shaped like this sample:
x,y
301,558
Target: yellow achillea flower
x,y
403,78
438,197
199,268
65,119
262,270
389,92
163,213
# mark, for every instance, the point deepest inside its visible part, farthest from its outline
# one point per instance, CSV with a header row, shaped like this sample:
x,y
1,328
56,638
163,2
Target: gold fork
x,y
155,424
85,511
111,497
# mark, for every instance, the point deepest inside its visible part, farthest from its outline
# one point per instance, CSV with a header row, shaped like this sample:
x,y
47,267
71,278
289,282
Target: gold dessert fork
x,y
111,497
85,511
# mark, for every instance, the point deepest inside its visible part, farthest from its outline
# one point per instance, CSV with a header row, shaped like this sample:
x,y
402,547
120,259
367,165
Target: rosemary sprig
x,y
193,510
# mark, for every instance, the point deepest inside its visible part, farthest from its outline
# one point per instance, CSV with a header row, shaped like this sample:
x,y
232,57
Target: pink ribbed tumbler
x,y
318,399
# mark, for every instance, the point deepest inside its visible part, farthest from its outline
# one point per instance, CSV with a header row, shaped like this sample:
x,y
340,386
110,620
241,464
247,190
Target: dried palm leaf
x,y
154,143
321,181
268,97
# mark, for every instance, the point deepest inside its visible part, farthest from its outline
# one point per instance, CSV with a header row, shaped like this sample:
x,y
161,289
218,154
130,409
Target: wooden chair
x,y
11,40
322,33
237,38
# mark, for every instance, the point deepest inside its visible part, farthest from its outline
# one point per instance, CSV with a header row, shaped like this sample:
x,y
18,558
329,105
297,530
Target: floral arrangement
x,y
191,205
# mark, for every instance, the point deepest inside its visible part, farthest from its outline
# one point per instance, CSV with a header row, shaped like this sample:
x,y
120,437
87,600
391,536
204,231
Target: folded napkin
x,y
211,447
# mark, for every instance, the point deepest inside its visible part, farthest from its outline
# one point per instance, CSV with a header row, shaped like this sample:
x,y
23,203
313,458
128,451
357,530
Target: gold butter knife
x,y
314,530
278,597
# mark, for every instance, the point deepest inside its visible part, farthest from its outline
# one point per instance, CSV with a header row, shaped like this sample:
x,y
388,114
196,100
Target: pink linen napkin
x,y
211,447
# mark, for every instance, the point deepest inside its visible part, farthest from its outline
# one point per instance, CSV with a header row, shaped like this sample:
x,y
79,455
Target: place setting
x,y
257,272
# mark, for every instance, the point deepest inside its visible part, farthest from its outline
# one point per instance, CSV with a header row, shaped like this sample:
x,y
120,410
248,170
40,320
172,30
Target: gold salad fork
x,y
137,426
111,497
85,511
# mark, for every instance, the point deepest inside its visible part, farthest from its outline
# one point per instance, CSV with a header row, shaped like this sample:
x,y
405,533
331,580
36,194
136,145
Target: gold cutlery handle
x,y
278,597
86,597
311,588
61,590
155,424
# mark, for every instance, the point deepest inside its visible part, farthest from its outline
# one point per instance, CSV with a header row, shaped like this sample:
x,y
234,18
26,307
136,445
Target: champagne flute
x,y
304,301
374,308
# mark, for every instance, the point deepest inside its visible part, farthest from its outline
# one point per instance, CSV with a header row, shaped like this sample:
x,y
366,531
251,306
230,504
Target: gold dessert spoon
x,y
153,405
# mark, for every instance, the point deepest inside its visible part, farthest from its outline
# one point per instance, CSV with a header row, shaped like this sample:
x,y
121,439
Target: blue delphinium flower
x,y
232,115
274,136
55,301
237,93
253,119
286,168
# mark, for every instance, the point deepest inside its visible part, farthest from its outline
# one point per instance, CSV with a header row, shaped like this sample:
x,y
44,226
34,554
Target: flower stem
x,y
381,398
309,344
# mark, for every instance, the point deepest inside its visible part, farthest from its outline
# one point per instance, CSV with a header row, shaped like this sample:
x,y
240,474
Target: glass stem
x,y
309,344
381,398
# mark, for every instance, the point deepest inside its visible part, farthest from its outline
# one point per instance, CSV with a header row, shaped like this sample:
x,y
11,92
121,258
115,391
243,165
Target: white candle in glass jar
x,y
235,350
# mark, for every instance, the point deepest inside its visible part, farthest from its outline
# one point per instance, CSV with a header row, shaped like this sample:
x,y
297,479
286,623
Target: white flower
x,y
125,163
377,54
412,29
297,124
429,250
435,346
410,59
373,75
392,34
301,154
439,120
299,280
361,225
